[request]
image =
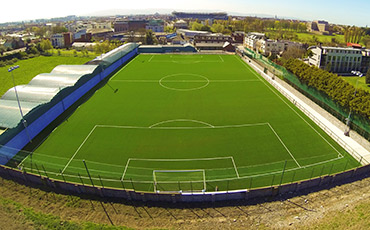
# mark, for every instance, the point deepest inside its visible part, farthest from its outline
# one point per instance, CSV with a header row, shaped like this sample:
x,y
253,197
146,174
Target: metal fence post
x,y
132,183
37,168
45,171
313,169
64,179
331,168
293,177
273,178
82,182
88,173
282,174
345,166
101,182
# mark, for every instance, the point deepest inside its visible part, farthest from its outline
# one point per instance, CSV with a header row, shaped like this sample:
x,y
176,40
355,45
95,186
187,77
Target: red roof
x,y
354,45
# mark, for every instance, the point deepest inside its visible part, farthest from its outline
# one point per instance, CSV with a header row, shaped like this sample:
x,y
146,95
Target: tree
x,y
149,37
59,29
205,28
196,26
217,28
32,50
169,29
45,45
353,34
367,80
294,52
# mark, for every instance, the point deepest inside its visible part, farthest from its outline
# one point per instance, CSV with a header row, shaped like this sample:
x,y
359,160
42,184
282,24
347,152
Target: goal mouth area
x,y
179,181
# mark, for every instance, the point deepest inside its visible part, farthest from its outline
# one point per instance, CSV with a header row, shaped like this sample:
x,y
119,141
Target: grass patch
x,y
361,82
31,67
30,218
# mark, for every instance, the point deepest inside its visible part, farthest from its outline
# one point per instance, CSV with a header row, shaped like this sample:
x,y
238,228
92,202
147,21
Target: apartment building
x,y
156,26
340,60
259,42
251,39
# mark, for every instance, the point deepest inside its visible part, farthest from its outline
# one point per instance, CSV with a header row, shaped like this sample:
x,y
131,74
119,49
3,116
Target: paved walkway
x,y
350,145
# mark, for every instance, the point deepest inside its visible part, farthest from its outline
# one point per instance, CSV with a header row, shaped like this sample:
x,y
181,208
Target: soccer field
x,y
190,123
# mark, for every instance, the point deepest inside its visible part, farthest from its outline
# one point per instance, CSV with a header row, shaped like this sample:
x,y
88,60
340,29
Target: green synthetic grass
x,y
30,68
188,112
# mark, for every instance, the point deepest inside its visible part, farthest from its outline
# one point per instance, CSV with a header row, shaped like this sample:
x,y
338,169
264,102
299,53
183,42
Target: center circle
x,y
184,82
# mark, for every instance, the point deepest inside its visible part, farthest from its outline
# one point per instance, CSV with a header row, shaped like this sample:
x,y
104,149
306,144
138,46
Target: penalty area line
x,y
70,160
124,172
236,169
286,148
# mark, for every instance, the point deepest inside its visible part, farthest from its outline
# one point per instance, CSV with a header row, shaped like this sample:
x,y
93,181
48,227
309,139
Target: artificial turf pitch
x,y
188,122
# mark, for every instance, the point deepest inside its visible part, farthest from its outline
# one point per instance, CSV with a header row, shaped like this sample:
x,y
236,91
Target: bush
x,y
332,85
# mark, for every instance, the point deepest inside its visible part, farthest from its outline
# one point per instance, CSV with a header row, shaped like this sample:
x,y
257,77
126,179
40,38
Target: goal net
x,y
179,181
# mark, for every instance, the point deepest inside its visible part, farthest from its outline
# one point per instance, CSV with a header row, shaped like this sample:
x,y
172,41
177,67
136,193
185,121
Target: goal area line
x,y
230,159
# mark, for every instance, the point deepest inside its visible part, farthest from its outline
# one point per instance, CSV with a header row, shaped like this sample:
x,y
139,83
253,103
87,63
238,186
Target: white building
x,y
252,38
259,42
180,24
156,26
192,33
337,59
57,40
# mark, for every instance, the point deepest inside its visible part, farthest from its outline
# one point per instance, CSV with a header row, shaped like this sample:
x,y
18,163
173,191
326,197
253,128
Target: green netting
x,y
358,123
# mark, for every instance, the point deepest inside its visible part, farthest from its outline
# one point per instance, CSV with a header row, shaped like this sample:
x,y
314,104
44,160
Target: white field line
x,y
180,81
214,180
175,120
286,148
209,126
181,160
123,68
151,58
204,181
246,65
124,172
70,160
154,180
185,61
222,60
236,169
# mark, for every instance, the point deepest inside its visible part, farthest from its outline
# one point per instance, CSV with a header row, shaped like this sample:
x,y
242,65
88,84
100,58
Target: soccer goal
x,y
179,181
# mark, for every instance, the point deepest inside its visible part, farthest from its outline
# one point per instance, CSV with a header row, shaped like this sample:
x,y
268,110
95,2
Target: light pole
x,y
348,119
10,70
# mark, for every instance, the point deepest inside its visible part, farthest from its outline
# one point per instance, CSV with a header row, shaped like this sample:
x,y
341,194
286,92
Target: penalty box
x,y
224,152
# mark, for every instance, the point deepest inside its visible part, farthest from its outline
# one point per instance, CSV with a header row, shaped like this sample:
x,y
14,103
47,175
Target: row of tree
x,y
333,86
249,24
353,34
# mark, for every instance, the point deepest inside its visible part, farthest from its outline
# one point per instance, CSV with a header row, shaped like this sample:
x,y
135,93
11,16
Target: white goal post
x,y
157,180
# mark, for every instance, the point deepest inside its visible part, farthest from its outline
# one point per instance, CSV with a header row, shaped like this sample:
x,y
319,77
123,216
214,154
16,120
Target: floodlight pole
x,y
348,119
10,70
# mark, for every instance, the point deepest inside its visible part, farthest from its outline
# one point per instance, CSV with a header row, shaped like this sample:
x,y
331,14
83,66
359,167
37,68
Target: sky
x,y
343,12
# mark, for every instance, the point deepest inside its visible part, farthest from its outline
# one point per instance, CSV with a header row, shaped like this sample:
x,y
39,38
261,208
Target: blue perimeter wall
x,y
19,141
